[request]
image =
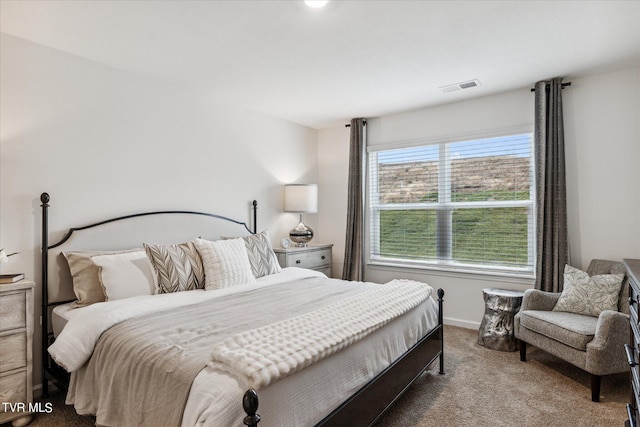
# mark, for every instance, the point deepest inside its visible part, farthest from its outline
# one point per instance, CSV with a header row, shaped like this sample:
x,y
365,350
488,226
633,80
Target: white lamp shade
x,y
301,198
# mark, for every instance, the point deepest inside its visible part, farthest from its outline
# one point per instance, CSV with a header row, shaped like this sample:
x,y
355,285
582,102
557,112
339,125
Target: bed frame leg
x,y
250,406
441,323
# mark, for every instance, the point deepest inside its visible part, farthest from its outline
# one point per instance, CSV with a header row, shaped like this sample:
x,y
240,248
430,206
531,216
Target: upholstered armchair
x,y
594,344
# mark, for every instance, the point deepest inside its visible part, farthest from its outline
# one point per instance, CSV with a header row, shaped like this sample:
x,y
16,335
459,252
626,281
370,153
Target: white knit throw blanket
x,y
264,355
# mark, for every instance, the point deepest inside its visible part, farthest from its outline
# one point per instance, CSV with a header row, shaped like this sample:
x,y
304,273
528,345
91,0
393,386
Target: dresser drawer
x,y
12,311
13,351
13,388
633,320
635,370
634,295
16,339
635,402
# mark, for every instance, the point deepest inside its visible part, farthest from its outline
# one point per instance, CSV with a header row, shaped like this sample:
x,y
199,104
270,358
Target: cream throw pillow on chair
x,y
589,295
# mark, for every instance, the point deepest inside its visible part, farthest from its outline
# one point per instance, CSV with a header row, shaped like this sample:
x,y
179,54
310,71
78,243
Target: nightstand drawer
x,y
13,351
311,257
313,260
12,311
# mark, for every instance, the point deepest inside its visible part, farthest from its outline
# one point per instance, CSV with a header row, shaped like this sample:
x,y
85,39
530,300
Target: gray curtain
x,y
552,248
353,255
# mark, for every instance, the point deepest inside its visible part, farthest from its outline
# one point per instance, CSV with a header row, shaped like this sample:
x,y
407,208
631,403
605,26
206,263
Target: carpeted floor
x,y
481,387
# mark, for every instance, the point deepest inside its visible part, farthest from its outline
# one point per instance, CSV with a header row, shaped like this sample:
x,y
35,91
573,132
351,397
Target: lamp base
x,y
301,235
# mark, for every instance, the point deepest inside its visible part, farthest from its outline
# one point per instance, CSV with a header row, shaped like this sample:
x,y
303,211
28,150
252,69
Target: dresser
x,y
633,272
314,257
16,335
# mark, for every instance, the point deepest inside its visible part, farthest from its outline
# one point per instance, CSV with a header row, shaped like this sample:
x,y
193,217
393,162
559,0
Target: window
x,y
463,204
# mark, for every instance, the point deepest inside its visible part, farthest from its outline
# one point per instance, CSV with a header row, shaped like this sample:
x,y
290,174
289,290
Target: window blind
x,y
463,203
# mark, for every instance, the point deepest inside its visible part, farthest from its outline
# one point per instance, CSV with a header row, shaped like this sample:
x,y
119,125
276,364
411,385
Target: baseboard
x,y
461,323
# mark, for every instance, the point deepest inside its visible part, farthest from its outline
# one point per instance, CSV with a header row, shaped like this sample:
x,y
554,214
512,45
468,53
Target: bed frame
x,y
363,408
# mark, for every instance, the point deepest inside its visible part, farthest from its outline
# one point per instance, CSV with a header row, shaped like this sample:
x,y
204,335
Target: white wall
x,y
104,142
602,130
603,177
333,160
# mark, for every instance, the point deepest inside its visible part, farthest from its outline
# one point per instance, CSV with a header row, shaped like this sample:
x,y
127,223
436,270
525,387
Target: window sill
x,y
524,278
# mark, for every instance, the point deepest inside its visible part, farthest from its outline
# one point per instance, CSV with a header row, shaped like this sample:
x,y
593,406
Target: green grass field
x,y
479,235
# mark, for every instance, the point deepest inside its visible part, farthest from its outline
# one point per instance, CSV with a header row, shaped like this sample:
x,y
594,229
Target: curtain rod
x,y
562,85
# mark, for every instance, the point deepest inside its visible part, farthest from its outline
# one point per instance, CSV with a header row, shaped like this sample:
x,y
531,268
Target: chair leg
x,y
523,350
595,387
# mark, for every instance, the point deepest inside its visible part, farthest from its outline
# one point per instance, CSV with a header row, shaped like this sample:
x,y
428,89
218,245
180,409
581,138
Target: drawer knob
x,y
630,359
298,261
323,257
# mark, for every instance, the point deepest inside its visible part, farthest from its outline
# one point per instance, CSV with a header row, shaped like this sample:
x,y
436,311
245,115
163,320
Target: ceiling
x,y
321,67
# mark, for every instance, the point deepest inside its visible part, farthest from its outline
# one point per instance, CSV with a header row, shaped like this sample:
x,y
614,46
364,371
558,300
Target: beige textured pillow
x,y
589,295
86,284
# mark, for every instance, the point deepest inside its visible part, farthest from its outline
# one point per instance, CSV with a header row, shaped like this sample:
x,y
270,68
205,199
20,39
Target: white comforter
x,y
215,397
76,342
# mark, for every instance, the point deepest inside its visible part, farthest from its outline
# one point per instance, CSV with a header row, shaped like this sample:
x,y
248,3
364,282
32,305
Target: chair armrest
x,y
612,329
605,353
535,299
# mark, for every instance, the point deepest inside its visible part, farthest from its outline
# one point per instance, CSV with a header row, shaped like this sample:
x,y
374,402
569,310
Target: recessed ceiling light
x,y
316,3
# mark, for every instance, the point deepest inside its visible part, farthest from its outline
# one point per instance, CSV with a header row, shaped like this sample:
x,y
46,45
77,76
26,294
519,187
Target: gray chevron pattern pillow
x,y
589,295
261,256
178,267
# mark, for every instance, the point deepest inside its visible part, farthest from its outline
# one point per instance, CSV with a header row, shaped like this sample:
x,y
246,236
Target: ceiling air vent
x,y
460,86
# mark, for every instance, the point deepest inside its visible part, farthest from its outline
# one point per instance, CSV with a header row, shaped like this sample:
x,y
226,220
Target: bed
x,y
352,382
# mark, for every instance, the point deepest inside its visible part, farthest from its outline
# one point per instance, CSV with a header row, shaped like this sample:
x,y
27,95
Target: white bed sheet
x,y
215,398
61,315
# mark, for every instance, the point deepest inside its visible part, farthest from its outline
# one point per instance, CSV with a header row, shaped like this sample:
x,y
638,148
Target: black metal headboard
x,y
123,232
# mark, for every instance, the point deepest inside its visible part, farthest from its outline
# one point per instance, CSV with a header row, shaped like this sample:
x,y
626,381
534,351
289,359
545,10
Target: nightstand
x,y
16,336
314,257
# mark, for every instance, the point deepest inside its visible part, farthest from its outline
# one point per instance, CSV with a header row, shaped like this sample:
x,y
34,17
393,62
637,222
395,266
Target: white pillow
x,y
262,259
125,275
86,276
225,263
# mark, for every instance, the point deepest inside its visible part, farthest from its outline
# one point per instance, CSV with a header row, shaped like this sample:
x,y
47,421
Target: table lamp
x,y
301,198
